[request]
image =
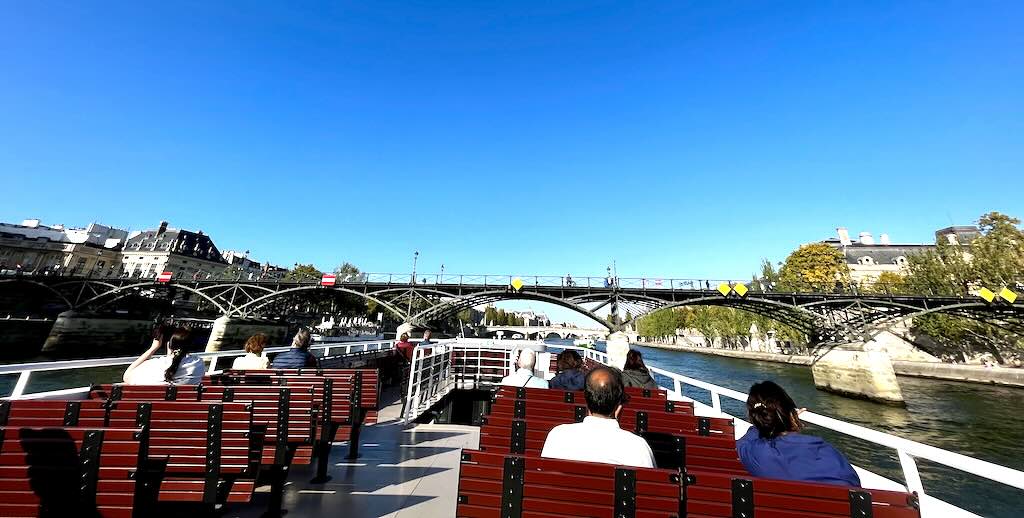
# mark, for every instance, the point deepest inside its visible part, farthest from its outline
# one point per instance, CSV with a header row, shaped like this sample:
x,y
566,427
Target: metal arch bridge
x,y
826,317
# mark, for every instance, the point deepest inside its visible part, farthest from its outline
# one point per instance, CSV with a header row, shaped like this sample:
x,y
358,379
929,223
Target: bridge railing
x,y
216,361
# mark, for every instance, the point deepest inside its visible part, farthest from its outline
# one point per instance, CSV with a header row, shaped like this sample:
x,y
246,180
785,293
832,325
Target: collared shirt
x,y
151,372
524,378
598,439
795,456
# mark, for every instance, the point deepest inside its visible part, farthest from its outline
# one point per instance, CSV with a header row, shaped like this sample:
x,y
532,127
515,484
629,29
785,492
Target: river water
x,y
981,421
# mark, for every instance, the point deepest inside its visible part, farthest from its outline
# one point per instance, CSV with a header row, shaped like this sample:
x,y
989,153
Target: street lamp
x,y
415,257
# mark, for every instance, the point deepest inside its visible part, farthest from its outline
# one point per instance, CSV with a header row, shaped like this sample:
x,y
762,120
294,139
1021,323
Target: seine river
x,y
981,421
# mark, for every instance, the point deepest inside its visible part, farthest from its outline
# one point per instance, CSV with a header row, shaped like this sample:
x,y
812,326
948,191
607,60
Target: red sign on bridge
x,y
164,277
329,279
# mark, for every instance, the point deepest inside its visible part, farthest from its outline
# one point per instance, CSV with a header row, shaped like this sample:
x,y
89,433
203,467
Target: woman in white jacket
x,y
253,358
176,368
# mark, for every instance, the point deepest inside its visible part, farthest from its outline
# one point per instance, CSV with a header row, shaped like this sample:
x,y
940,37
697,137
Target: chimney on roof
x,y
844,236
163,228
884,239
866,238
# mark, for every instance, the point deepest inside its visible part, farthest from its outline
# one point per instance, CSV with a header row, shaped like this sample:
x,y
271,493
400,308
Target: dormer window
x,y
900,261
866,261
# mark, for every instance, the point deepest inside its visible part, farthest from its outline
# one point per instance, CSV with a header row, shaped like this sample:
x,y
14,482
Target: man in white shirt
x,y
524,376
598,438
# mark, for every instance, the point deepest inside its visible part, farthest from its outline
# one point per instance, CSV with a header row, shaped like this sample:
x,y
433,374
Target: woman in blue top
x,y
775,448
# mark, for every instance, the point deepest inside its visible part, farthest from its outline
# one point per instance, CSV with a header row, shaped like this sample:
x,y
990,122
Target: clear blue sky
x,y
679,138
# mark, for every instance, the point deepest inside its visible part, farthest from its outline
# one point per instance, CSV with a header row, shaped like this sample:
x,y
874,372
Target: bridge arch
x,y
45,287
456,304
796,316
123,291
255,304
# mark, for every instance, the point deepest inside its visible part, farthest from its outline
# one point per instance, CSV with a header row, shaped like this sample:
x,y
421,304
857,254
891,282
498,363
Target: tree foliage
x,y
303,273
813,267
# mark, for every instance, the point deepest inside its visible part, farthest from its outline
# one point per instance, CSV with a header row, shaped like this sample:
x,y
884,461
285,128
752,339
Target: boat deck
x,y
402,472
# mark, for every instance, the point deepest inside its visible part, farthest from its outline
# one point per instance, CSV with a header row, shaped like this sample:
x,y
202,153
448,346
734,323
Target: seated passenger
x,y
253,358
775,448
635,373
298,357
598,438
177,368
570,371
524,376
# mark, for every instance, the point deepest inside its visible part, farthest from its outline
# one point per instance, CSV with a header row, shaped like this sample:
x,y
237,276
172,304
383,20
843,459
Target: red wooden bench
x,y
68,471
192,452
512,486
286,418
504,434
657,400
351,398
716,495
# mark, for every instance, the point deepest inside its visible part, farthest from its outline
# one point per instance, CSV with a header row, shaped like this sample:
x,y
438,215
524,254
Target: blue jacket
x,y
795,456
294,358
570,379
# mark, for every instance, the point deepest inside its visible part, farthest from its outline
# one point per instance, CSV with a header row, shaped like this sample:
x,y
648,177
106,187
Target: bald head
x,y
527,359
603,390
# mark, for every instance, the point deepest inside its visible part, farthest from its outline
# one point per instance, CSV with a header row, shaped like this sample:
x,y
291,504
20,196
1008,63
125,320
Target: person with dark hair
x,y
177,367
298,357
254,358
635,373
598,438
570,371
775,448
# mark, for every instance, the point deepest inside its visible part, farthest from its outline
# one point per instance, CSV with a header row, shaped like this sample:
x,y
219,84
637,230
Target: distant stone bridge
x,y
825,317
541,332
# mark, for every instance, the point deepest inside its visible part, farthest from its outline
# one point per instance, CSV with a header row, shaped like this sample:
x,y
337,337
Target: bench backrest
x,y
513,486
286,415
344,390
720,495
656,401
68,471
715,453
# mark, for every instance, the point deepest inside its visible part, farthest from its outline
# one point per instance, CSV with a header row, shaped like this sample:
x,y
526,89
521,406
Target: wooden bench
x,y
503,434
512,486
286,417
656,400
350,398
192,452
68,471
714,495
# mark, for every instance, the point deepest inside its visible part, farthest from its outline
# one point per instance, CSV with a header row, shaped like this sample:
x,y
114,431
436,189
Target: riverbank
x,y
1007,377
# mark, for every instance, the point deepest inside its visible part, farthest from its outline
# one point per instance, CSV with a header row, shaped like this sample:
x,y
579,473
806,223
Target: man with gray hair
x,y
524,376
298,356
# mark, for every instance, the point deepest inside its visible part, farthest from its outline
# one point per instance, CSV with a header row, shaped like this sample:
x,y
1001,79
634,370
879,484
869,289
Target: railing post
x,y
19,387
213,363
716,402
678,386
910,473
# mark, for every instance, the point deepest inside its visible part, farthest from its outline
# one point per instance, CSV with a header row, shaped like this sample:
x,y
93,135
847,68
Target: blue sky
x,y
683,139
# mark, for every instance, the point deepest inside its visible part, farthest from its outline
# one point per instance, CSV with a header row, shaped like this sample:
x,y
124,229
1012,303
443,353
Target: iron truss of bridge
x,y
826,317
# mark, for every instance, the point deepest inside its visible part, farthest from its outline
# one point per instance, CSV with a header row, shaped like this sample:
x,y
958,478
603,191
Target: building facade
x,y
867,259
185,254
245,268
34,248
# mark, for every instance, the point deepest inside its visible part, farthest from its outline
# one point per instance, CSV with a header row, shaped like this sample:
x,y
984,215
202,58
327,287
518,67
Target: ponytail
x,y
771,410
174,344
176,356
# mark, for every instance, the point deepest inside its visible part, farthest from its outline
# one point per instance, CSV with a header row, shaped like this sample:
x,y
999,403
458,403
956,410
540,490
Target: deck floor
x,y
402,472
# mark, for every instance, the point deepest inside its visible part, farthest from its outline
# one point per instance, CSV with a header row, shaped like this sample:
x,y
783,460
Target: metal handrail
x,y
25,370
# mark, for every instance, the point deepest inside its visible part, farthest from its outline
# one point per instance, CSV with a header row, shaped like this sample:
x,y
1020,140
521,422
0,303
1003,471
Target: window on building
x,y
900,261
866,261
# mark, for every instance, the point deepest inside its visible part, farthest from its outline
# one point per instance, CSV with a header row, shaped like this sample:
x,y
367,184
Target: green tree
x,y
348,272
303,273
815,267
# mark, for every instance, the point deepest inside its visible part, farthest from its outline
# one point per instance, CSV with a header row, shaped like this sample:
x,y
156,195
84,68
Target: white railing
x,y
428,384
24,371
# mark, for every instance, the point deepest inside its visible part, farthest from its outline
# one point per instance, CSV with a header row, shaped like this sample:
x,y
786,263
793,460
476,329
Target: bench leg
x,y
277,479
359,415
323,458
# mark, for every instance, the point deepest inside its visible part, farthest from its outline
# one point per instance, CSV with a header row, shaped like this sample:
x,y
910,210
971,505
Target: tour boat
x,y
424,455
